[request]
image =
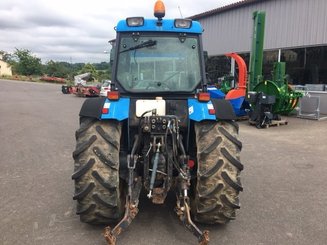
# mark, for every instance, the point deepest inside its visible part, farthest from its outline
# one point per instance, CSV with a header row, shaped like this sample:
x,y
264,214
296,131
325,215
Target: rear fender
x,y
92,107
199,111
103,108
118,109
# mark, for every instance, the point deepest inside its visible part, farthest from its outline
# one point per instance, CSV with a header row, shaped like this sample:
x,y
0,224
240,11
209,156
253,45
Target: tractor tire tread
x,y
87,123
232,138
231,182
84,192
107,137
99,200
229,203
102,157
80,148
98,189
86,210
105,184
217,185
209,191
213,170
232,159
83,169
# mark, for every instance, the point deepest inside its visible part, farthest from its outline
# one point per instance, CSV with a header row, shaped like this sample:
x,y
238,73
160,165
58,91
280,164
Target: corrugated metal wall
x,y
289,23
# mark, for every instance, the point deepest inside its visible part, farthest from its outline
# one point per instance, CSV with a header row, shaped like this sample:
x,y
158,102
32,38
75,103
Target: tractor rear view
x,y
157,130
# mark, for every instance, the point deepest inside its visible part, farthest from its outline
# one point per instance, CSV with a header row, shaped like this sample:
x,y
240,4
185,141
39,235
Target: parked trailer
x,y
81,88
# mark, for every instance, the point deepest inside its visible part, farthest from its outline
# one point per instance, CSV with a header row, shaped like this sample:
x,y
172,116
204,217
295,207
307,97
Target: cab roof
x,y
151,25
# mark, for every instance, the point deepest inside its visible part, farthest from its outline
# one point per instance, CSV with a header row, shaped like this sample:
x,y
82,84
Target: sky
x,y
79,30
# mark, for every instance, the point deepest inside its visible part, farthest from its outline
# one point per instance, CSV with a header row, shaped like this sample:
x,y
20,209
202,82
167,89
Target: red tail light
x,y
105,110
191,163
212,111
113,95
205,97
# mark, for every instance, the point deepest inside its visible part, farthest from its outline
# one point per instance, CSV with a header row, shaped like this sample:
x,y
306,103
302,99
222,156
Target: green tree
x,y
5,56
91,69
104,74
57,69
27,64
101,66
103,69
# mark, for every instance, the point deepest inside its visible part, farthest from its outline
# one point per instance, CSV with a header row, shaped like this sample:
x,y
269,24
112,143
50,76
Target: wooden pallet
x,y
242,118
277,123
274,123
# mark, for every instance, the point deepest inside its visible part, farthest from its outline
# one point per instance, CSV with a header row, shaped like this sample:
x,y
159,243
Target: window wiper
x,y
148,43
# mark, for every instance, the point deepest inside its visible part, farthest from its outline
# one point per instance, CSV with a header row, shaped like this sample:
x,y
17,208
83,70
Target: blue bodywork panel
x,y
199,111
151,25
118,109
215,93
236,103
240,106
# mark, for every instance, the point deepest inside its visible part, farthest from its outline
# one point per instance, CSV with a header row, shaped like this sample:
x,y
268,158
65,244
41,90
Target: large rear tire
x,y
98,189
218,182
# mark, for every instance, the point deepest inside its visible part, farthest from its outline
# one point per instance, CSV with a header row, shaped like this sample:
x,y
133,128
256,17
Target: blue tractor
x,y
158,130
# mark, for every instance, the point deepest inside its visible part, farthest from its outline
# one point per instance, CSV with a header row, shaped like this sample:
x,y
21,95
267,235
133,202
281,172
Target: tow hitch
x,y
183,210
132,201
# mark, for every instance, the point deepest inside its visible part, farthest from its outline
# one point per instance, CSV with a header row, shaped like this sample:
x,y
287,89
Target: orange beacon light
x,y
159,9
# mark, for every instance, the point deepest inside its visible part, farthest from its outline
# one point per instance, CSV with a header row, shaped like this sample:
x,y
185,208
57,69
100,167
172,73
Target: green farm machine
x,y
268,98
262,100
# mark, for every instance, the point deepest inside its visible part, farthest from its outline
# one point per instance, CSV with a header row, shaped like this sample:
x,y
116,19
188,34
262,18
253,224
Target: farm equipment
x,y
262,100
268,98
234,93
158,130
81,88
53,79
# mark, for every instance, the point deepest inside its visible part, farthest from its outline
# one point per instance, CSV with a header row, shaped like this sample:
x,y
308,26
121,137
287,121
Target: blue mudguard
x,y
118,109
199,111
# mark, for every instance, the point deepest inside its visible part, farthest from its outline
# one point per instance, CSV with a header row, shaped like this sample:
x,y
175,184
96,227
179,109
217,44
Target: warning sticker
x,y
190,110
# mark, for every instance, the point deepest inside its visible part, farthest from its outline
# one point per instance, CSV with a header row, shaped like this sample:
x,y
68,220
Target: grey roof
x,y
289,24
225,8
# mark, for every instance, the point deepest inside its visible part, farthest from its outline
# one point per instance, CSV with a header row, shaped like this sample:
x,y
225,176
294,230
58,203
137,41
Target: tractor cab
x,y
158,56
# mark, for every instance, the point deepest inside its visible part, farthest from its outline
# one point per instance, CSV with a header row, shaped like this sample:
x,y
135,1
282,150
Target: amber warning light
x,y
159,9
203,97
113,95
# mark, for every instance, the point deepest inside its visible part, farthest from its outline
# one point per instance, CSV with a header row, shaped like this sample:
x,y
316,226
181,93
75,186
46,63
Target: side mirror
x,y
112,55
112,51
205,56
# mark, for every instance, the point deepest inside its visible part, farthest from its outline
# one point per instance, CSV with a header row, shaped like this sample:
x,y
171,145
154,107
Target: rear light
x,y
106,88
205,97
113,95
105,110
212,111
190,163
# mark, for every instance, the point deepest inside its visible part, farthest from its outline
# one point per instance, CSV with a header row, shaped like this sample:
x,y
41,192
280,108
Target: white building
x,y
5,68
